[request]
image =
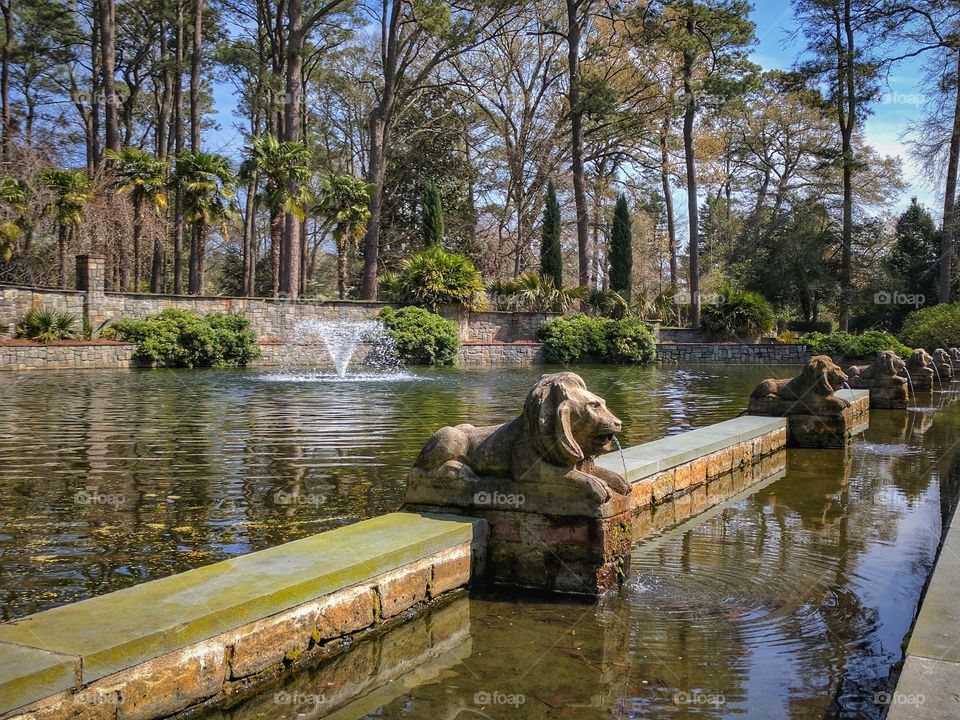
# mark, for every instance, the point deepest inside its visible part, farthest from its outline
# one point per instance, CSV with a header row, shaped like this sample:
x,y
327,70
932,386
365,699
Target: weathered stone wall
x,y
66,357
743,353
480,354
185,654
271,318
16,301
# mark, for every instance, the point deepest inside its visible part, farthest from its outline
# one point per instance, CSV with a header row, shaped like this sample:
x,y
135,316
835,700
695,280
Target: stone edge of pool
x,y
931,668
169,645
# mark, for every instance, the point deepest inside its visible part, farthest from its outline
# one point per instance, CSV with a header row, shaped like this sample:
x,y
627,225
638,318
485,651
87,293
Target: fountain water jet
x,y
343,339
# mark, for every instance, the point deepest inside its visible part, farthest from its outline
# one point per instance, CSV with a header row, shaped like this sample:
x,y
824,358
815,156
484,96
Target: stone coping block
x,y
112,632
645,460
27,675
926,691
936,633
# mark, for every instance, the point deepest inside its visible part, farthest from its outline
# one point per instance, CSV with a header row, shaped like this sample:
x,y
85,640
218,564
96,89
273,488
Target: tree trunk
x,y
137,237
668,207
576,142
376,170
249,234
847,127
949,198
195,62
62,252
7,57
108,55
690,110
276,248
179,142
95,86
291,255
156,267
342,267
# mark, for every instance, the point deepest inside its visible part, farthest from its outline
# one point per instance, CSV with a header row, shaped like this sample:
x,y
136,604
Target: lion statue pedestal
x,y
558,523
819,414
884,379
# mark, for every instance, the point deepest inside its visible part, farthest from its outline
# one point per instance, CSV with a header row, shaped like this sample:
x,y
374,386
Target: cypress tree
x,y
621,249
432,216
551,259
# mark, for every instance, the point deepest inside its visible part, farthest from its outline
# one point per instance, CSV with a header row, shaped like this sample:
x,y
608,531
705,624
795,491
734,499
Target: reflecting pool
x,y
791,602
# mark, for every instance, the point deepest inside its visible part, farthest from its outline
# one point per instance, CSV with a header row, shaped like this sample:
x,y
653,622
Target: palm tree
x,y
344,205
13,201
71,190
205,182
144,176
282,165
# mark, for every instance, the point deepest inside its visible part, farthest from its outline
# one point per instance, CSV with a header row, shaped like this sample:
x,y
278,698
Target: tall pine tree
x,y
621,249
551,259
914,261
432,216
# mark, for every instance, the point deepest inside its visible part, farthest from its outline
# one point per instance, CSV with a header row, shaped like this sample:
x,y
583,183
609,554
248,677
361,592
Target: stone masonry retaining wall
x,y
66,357
744,353
271,318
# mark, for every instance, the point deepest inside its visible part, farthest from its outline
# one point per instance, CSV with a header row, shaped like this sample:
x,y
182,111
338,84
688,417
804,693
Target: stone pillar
x,y
543,536
91,279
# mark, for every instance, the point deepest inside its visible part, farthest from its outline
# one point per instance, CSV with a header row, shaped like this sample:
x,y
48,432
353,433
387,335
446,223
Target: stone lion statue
x,y
955,355
813,390
886,369
562,428
941,359
920,367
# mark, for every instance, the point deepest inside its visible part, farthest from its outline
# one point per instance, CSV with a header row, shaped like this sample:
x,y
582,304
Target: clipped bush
x,y
178,338
847,346
579,338
937,326
737,314
435,277
46,326
422,337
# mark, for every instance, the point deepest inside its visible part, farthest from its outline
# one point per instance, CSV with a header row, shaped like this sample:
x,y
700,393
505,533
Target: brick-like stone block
x,y
451,570
167,684
265,645
719,463
663,486
345,612
402,589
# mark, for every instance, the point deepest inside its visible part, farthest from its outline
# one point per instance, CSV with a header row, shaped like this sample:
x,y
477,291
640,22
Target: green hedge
x,y
937,326
422,337
579,338
178,338
846,346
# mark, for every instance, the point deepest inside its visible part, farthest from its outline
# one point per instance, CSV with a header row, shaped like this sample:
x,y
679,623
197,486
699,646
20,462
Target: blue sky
x,y
885,127
775,50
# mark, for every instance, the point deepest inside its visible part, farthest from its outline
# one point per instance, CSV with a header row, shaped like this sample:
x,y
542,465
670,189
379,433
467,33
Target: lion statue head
x,y
566,422
919,360
889,363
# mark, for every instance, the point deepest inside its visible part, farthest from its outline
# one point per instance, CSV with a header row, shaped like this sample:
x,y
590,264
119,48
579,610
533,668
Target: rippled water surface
x,y
790,603
108,479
